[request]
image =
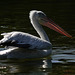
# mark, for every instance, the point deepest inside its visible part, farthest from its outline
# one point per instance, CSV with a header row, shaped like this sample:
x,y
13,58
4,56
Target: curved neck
x,y
39,28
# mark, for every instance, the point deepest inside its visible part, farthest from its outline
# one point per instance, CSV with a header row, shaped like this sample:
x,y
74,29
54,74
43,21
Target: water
x,y
14,17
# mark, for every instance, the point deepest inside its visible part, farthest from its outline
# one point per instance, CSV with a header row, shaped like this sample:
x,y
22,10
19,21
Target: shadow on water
x,y
62,62
31,64
32,67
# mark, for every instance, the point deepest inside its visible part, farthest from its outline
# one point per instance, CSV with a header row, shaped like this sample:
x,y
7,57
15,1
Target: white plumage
x,y
22,39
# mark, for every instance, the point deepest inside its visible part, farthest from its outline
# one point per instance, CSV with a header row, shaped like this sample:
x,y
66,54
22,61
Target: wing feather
x,y
24,40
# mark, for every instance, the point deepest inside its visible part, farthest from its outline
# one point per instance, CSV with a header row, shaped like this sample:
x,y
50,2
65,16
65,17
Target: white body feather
x,y
25,38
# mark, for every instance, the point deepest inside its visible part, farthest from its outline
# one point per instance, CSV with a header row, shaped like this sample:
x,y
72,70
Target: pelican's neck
x,y
38,28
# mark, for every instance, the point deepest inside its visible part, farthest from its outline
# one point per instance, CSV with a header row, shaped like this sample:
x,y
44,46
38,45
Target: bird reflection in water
x,y
40,66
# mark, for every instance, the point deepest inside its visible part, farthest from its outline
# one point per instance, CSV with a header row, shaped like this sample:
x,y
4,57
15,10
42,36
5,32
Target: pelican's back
x,y
22,39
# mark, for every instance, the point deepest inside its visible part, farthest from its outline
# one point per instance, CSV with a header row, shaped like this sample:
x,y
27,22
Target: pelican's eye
x,y
41,15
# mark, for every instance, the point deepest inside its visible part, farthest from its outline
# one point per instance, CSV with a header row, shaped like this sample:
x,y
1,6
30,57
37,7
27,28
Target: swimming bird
x,y
40,45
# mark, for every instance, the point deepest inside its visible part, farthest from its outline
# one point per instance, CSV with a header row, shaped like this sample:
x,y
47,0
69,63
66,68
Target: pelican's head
x,y
45,21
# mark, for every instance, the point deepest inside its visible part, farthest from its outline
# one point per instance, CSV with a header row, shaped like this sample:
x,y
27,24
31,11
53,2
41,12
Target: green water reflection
x,y
14,16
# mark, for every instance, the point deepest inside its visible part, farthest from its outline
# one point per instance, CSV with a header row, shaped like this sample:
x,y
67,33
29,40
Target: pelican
x,y
24,42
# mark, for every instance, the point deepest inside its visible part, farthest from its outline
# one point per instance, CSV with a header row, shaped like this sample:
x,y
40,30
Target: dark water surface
x,y
14,16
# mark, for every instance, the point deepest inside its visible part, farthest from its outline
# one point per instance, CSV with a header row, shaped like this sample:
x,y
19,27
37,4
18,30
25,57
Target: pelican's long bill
x,y
49,23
